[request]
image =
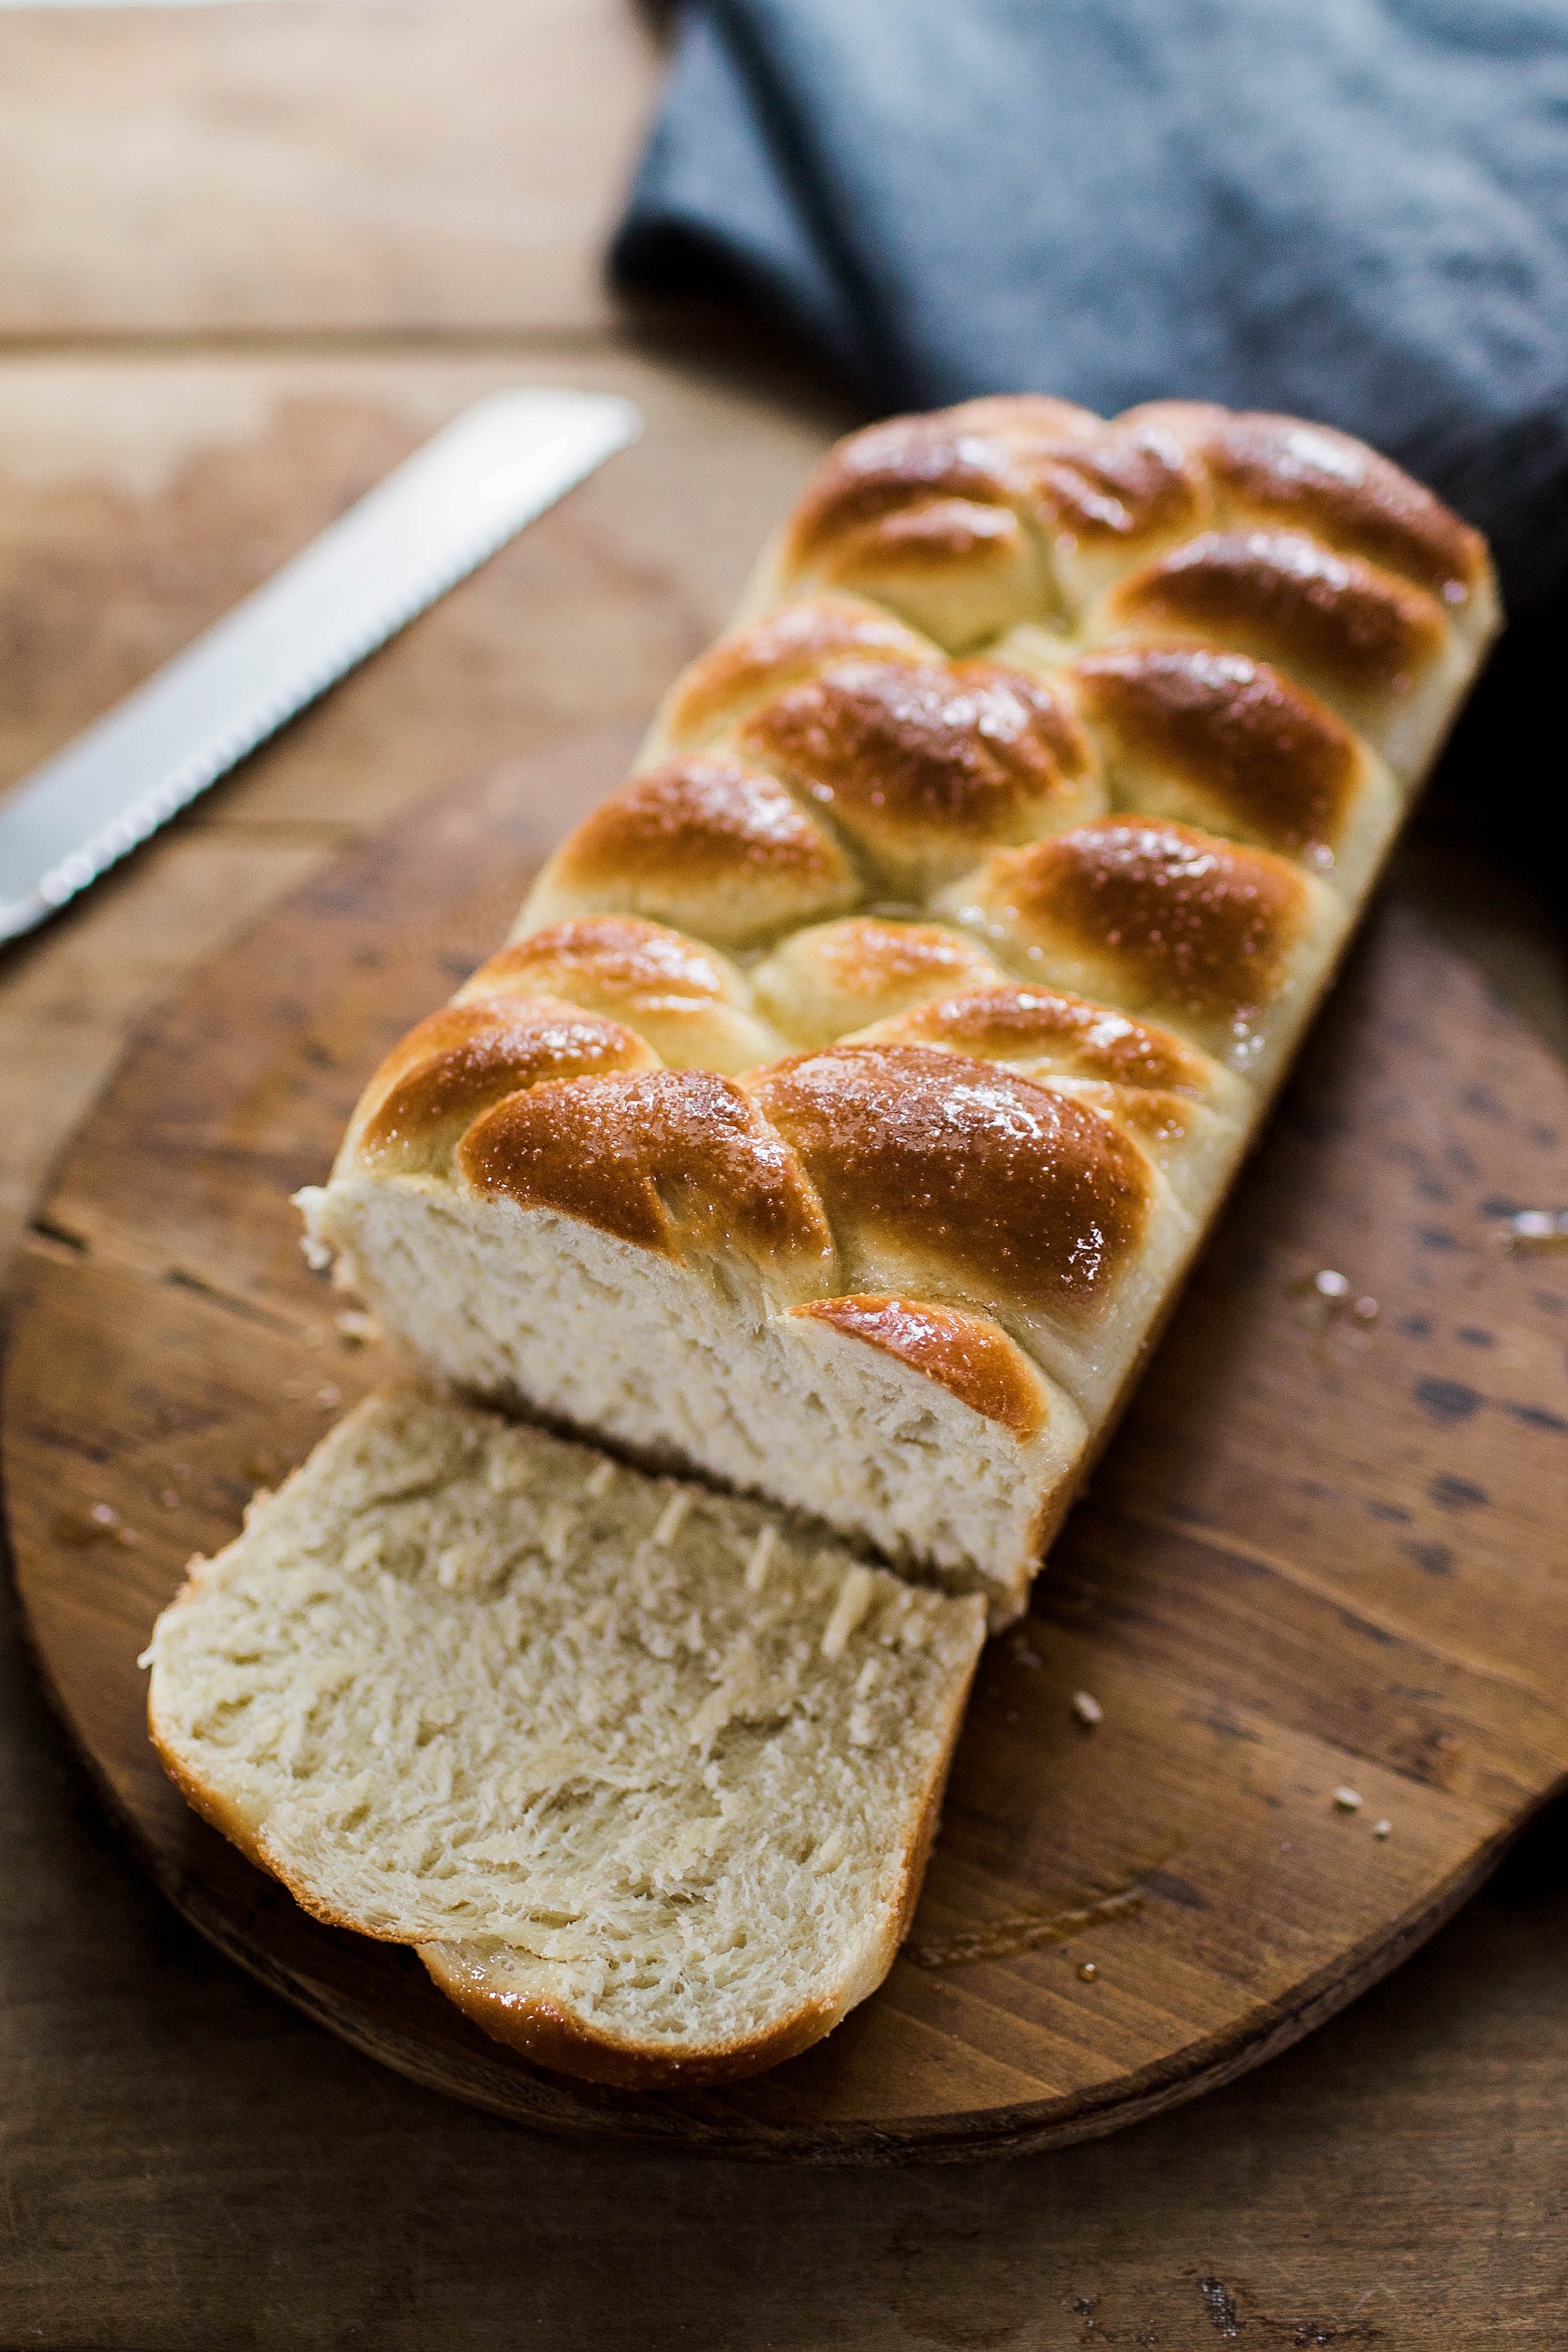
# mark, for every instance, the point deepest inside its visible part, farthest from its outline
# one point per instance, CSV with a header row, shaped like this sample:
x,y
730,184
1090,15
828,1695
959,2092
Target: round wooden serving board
x,y
1325,1552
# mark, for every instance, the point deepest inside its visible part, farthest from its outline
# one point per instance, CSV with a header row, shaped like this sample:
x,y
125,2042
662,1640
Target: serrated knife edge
x,y
448,507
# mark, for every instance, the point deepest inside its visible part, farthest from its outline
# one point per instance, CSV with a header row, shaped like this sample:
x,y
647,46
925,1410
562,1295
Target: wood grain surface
x,y
1321,1555
188,2164
328,168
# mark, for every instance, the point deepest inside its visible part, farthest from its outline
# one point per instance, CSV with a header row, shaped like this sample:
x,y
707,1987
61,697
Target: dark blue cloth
x,y
1354,210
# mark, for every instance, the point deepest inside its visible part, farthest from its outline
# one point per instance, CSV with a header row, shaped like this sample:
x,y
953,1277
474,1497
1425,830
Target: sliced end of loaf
x,y
678,1365
516,2001
648,1780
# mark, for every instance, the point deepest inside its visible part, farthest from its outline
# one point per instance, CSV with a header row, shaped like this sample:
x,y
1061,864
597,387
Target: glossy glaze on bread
x,y
904,1016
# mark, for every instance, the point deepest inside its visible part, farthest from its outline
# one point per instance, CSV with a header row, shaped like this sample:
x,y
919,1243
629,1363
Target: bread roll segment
x,y
990,868
691,1005
646,1780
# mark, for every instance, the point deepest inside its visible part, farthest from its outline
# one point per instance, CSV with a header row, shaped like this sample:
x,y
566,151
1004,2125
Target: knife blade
x,y
425,527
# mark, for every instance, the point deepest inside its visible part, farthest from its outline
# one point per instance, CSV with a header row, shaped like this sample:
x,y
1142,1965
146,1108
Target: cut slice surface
x,y
655,1775
687,1366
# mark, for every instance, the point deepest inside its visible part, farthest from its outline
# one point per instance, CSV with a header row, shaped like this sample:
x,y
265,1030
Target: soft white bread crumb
x,y
649,1816
543,1311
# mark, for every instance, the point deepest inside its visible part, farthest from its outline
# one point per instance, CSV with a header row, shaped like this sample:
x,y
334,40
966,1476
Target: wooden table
x,y
236,239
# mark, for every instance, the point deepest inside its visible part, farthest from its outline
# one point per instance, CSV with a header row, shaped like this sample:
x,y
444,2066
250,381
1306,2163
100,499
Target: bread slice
x,y
861,1077
647,1776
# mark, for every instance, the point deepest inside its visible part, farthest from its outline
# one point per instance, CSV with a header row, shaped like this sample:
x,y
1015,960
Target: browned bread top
x,y
833,978
707,841
673,1160
687,1000
1262,759
967,1354
720,685
1183,924
903,463
1259,533
966,1175
1345,625
1321,480
1166,468
925,766
1000,623
999,855
619,956
928,481
984,1181
456,1063
1048,1027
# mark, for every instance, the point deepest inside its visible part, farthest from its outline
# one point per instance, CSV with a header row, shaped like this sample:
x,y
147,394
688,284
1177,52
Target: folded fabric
x,y
1355,210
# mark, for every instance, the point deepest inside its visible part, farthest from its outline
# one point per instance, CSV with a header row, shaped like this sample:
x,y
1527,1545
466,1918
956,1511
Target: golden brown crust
x,y
1101,480
929,535
687,1000
605,963
707,841
1050,1029
927,766
1268,756
552,2037
787,644
840,976
1308,475
998,1186
968,1355
1123,485
1202,927
867,957
960,485
669,1160
459,1061
966,492
1291,600
906,461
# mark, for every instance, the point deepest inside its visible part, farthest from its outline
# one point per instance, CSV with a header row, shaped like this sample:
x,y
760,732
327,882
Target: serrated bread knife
x,y
455,502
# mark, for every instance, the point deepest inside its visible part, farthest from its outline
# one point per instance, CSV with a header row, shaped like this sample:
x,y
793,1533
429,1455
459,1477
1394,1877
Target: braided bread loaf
x,y
861,1077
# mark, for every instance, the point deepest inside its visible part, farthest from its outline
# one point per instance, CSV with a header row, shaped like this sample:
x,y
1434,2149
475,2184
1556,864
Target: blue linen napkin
x,y
1353,210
